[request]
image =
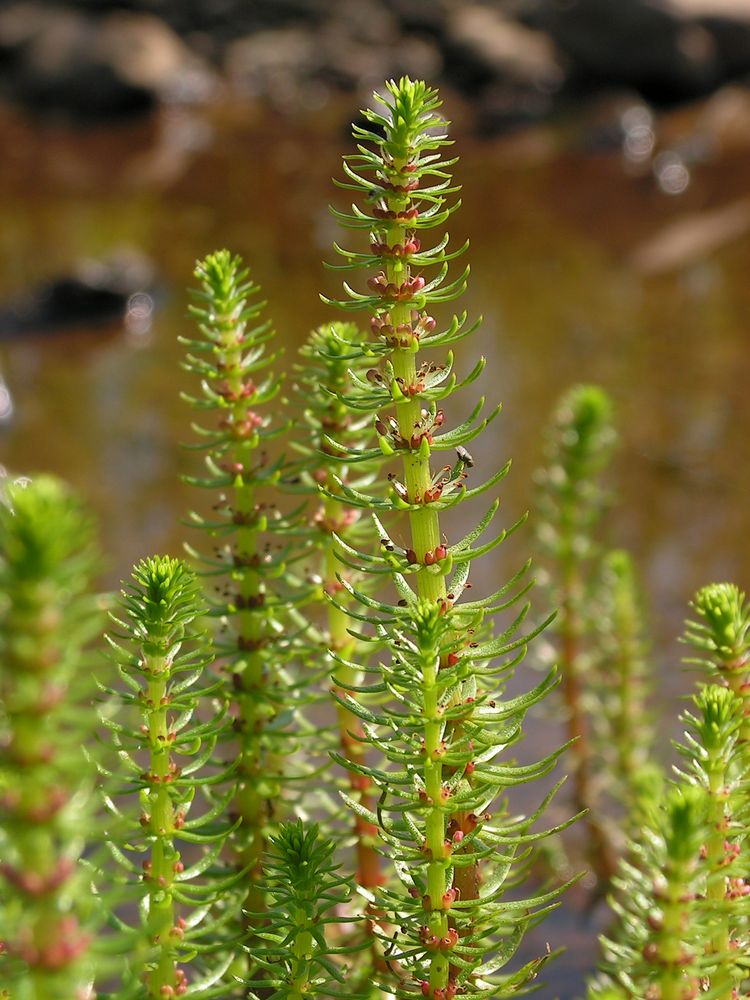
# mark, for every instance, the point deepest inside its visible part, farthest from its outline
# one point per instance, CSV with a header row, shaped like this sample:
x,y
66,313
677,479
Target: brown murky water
x,y
583,264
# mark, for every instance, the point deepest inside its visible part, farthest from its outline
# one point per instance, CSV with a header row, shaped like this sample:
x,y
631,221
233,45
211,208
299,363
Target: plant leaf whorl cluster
x,y
598,635
248,563
655,953
681,896
170,721
47,618
306,893
442,727
334,360
720,635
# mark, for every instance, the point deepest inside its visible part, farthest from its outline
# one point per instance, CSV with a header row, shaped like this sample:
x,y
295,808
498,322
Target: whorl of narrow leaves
x,y
246,561
720,635
324,380
305,891
622,721
445,731
46,619
657,949
723,625
718,762
171,719
570,502
333,359
579,447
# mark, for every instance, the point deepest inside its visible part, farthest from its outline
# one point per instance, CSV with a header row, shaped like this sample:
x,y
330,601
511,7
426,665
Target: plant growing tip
x,y
720,635
306,892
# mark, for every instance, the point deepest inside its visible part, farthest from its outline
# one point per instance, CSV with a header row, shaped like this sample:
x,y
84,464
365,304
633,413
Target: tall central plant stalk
x,y
398,289
424,524
451,727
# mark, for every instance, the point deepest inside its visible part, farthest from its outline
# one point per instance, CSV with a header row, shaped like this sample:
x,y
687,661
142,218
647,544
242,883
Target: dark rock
x,y
511,72
51,64
362,45
418,17
502,108
357,48
98,59
65,63
275,63
225,19
482,46
639,43
145,53
96,293
731,39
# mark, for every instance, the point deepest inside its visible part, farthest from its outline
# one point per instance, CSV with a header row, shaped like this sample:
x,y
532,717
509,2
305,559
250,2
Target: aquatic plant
x,y
247,561
718,763
598,638
622,723
680,893
333,357
329,569
47,621
720,636
446,729
656,951
306,892
170,719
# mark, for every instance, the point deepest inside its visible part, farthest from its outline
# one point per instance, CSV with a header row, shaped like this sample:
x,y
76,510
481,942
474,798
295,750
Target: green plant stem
x,y
235,349
669,949
570,629
736,672
165,859
349,726
425,536
46,619
673,938
722,979
160,651
629,726
443,683
248,674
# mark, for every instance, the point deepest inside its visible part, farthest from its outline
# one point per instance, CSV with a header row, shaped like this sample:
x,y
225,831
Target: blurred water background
x,y
606,192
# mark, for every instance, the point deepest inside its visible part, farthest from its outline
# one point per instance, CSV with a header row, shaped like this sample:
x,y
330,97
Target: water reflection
x,y
139,315
6,403
672,175
639,140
